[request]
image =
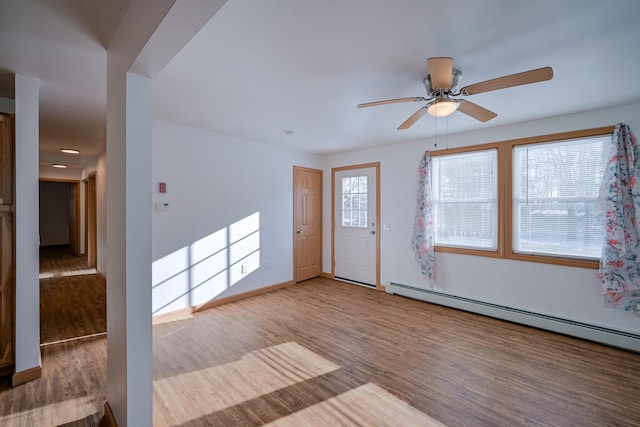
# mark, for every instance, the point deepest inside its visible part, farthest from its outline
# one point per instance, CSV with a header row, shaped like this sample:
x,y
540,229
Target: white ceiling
x,y
261,68
63,43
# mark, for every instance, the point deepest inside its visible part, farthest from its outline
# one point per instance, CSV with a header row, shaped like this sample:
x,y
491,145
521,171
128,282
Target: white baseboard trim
x,y
612,337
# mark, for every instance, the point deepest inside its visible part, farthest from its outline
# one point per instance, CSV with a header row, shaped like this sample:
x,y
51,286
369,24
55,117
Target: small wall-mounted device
x,y
162,187
162,206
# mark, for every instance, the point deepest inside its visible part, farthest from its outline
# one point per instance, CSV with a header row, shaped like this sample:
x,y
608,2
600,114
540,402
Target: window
x,y
531,199
354,202
555,188
465,198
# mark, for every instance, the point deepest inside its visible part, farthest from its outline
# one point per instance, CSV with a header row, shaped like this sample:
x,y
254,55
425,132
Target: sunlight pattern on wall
x,y
198,273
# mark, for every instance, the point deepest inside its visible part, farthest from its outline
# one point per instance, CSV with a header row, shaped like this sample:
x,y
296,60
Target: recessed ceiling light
x,y
69,151
59,165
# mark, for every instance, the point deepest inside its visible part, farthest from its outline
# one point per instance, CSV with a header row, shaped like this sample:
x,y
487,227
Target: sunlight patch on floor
x,y
54,414
82,272
367,405
219,387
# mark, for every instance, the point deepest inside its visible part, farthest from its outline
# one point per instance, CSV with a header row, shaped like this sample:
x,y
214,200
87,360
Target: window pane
x,y
355,219
567,229
363,218
355,205
346,218
346,185
363,202
354,185
465,188
362,184
354,201
465,224
555,190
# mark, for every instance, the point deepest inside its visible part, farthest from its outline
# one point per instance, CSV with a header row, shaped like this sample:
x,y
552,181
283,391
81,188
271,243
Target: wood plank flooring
x,y
457,368
72,296
329,353
71,390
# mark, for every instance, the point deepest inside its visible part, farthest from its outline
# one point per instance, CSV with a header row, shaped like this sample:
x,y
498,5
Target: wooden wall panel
x,y
7,246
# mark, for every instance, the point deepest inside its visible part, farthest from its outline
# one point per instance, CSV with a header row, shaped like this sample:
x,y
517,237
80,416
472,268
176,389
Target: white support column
x,y
27,226
138,248
151,33
129,391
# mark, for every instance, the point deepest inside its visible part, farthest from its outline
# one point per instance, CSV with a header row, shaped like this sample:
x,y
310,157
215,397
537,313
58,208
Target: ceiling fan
x,y
441,85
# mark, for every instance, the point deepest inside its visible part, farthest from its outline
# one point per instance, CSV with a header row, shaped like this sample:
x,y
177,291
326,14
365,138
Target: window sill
x,y
491,253
570,262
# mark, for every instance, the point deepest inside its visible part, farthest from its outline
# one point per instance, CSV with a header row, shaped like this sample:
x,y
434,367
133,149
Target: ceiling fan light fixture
x,y
442,108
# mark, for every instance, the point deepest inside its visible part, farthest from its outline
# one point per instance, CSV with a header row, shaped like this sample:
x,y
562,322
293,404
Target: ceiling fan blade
x,y
475,111
391,101
532,76
440,70
414,118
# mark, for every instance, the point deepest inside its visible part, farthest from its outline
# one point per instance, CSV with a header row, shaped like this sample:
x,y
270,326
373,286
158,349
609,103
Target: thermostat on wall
x,y
162,206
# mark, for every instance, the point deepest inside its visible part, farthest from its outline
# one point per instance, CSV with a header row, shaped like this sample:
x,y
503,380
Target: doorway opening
x,y
72,293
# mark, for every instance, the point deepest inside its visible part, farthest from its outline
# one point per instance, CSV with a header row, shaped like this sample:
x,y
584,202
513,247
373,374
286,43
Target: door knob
x,y
299,231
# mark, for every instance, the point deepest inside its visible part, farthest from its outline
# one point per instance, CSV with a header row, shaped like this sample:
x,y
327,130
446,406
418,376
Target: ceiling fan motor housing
x,y
456,75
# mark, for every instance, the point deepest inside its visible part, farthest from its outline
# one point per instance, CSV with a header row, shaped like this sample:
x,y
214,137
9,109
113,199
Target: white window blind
x,y
554,196
465,202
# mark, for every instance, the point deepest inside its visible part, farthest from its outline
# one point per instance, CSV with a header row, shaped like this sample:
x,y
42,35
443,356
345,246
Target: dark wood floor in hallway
x,y
329,353
71,390
72,296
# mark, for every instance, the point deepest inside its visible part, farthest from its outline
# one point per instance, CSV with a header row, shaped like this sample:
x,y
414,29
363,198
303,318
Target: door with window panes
x,y
355,225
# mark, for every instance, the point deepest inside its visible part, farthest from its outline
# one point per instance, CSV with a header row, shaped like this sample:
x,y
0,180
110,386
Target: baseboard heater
x,y
612,337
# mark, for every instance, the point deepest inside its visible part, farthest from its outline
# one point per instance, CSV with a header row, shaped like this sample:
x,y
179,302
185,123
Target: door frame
x,y
76,189
91,221
376,166
293,227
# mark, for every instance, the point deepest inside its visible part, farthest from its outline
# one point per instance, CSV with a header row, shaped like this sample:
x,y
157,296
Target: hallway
x,y
71,390
72,297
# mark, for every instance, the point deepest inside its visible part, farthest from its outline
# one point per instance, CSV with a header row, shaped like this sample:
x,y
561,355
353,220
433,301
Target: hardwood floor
x,y
329,353
458,368
72,297
71,390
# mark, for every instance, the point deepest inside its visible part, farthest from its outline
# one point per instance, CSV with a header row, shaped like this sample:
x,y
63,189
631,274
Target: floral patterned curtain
x,y
619,205
423,233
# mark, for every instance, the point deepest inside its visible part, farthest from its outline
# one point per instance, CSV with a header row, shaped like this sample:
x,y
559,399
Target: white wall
x,y
26,220
101,212
567,292
75,174
7,106
54,212
214,181
49,172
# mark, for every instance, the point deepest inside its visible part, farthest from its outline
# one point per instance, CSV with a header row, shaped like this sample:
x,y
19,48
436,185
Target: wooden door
x,y
74,204
92,220
307,227
7,246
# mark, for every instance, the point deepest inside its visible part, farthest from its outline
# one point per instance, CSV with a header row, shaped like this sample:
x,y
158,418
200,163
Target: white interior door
x,y
355,225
